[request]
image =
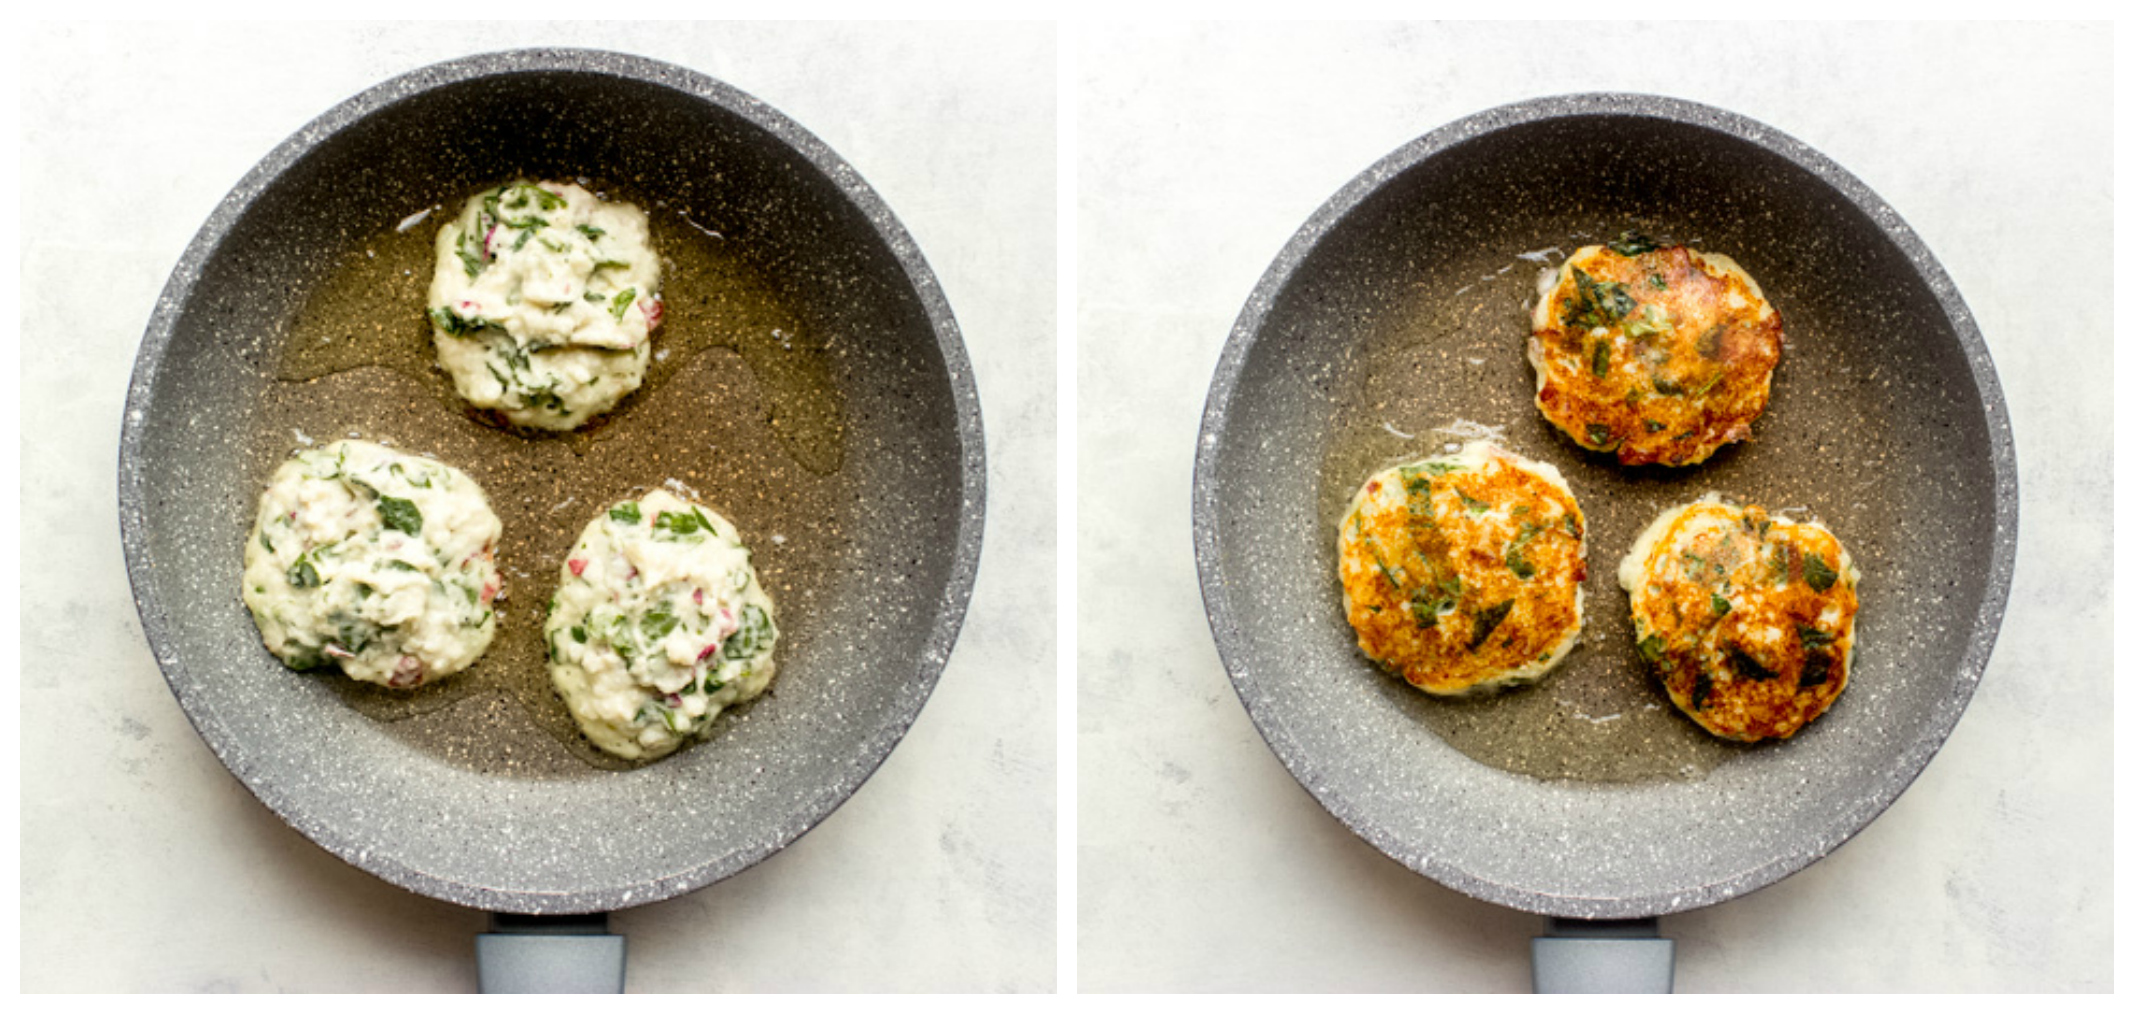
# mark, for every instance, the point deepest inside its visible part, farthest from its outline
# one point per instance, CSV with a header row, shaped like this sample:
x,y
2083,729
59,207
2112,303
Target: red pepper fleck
x,y
577,568
489,591
654,309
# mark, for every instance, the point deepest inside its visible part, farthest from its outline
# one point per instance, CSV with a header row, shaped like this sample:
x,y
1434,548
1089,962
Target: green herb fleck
x,y
1487,621
1515,552
1813,638
1651,648
621,305
1598,304
658,623
455,325
1654,426
1720,606
753,637
625,512
1746,666
678,523
1473,504
592,232
1815,670
1632,243
400,515
1600,358
1599,434
304,575
1820,576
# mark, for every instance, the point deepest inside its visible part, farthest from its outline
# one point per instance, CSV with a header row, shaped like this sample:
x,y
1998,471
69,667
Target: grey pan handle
x,y
1604,956
548,954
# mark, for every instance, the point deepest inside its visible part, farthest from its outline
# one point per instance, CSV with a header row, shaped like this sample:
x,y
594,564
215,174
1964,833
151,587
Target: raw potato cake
x,y
1746,618
543,303
1659,355
658,624
1464,572
378,562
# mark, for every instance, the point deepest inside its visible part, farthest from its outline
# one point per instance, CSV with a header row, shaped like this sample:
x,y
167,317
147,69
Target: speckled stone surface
x,y
483,821
1206,863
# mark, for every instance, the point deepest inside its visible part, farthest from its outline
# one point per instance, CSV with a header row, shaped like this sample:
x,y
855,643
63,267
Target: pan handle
x,y
1604,956
548,954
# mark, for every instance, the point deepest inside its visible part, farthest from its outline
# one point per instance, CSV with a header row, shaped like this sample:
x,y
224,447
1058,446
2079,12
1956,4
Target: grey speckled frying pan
x,y
815,389
1396,319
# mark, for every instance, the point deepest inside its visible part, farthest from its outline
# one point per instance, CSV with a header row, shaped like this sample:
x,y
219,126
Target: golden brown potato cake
x,y
1746,618
1463,572
1661,355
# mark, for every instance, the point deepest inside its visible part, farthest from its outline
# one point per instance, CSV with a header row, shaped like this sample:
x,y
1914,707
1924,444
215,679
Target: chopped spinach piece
x,y
753,637
1600,358
455,325
1515,552
1473,504
1820,576
1746,666
1632,243
1657,281
1815,671
592,232
658,623
1813,638
1487,622
400,515
1651,648
1699,690
1599,304
621,305
625,512
578,633
303,574
1654,426
1720,606
678,523
1599,433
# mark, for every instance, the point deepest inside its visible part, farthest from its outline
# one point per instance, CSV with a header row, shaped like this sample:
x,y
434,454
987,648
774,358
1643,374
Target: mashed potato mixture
x,y
375,561
1656,354
543,303
658,624
1463,572
1746,618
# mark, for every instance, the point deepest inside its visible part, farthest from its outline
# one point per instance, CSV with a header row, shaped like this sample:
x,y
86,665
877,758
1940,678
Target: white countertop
x,y
146,866
1205,866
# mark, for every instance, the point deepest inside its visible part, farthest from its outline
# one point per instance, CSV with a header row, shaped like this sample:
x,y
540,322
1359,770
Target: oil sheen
x,y
739,410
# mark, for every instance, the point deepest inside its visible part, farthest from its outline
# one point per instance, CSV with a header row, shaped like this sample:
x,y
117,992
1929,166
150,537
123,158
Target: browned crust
x,y
1685,372
1425,544
1715,666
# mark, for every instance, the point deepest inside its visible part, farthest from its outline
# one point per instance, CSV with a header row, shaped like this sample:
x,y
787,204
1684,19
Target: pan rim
x,y
961,570
1229,633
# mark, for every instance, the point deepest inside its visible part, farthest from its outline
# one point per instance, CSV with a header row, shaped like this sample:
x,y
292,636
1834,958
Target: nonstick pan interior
x,y
810,383
1396,319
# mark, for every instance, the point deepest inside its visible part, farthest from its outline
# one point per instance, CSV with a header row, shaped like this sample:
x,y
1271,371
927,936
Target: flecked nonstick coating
x,y
1400,308
863,502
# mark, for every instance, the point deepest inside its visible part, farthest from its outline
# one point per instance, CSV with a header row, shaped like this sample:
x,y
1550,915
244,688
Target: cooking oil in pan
x,y
1443,368
739,409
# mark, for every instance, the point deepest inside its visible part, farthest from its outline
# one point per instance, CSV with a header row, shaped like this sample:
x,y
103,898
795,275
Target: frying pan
x,y
813,387
1394,322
